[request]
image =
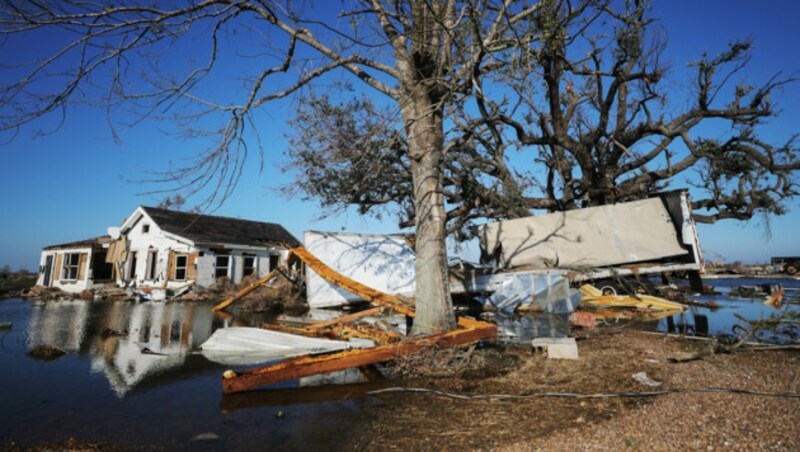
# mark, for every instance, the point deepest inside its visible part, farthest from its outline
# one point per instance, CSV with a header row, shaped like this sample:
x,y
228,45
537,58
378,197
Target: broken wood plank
x,y
364,332
304,366
242,292
344,319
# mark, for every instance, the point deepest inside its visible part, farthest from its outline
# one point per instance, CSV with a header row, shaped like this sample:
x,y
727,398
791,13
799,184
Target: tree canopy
x,y
579,116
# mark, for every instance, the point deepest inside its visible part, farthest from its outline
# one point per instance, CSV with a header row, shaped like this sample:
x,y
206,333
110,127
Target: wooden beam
x,y
244,291
303,366
344,319
367,293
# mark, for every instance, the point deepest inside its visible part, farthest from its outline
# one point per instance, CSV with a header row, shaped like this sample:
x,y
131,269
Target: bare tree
x,y
608,130
585,103
422,55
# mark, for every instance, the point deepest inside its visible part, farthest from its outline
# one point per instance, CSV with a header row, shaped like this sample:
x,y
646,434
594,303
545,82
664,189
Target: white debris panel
x,y
243,346
383,262
624,233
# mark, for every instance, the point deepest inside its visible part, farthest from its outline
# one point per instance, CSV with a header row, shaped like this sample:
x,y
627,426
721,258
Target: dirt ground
x,y
687,420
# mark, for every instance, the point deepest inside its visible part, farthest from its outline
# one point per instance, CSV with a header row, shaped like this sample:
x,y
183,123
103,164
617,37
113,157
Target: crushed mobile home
x,y
646,236
165,249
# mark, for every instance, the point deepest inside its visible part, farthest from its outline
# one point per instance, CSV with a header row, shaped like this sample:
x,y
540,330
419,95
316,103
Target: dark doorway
x,y
48,270
132,274
101,270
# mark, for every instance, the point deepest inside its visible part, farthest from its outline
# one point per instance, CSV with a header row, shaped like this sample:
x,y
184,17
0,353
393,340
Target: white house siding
x,y
57,276
142,243
206,264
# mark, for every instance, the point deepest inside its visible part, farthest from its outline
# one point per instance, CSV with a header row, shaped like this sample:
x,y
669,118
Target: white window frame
x,y
67,266
218,267
151,272
184,268
253,266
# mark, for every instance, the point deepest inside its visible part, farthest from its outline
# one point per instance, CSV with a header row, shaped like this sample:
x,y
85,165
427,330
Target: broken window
x,y
248,265
71,264
273,262
180,267
221,266
152,261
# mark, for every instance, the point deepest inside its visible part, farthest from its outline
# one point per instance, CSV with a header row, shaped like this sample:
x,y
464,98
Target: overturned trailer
x,y
387,263
654,235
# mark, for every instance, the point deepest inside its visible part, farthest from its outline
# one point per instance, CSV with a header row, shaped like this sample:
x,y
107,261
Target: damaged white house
x,y
159,248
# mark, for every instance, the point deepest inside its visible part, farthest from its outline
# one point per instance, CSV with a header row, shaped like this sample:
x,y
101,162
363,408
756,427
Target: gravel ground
x,y
703,421
408,421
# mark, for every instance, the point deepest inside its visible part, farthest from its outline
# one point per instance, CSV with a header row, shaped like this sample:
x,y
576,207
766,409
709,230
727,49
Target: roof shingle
x,y
209,229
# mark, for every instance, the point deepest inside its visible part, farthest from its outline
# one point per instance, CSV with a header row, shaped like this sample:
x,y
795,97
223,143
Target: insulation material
x,y
546,291
383,262
625,233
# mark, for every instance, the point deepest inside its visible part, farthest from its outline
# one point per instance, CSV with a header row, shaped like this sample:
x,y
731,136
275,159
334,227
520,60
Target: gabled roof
x,y
209,229
87,243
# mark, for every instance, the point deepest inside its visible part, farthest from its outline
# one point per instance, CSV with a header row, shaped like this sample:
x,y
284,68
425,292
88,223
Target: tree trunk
x,y
425,142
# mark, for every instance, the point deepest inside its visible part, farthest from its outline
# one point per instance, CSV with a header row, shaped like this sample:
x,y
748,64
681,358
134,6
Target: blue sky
x,y
75,182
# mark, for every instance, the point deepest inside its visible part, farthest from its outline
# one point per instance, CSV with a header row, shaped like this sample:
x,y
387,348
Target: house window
x,y
145,228
180,267
273,262
248,265
71,264
221,266
152,261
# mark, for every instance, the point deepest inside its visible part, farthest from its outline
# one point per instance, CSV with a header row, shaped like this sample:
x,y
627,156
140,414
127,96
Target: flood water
x,y
106,390
720,321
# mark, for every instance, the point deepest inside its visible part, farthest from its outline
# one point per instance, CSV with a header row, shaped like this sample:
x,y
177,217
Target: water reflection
x,y
721,320
152,338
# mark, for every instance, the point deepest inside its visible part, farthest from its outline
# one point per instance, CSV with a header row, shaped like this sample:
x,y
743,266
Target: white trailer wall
x,y
624,233
383,262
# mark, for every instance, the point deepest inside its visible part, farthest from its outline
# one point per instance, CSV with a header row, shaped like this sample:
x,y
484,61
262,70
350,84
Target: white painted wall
x,y
70,286
141,243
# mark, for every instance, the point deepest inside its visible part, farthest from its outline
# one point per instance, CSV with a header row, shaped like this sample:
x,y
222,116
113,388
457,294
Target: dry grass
x,y
280,295
427,421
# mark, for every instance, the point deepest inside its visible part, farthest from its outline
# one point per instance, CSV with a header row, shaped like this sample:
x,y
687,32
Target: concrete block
x,y
557,347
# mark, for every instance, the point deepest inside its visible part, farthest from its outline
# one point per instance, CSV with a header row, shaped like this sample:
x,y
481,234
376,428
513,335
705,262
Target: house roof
x,y
209,229
86,243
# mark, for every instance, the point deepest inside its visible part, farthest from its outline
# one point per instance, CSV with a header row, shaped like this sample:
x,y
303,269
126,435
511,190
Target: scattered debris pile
x,y
387,345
